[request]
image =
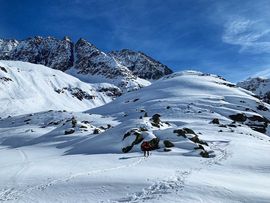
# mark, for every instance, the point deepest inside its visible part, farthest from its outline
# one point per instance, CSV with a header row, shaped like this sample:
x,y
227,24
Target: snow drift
x,y
29,88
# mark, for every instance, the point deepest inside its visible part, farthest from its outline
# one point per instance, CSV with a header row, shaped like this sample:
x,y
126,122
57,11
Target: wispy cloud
x,y
251,35
264,73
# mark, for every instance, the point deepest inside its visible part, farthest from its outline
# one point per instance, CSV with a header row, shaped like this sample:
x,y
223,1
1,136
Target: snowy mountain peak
x,y
6,46
259,86
85,61
141,64
67,38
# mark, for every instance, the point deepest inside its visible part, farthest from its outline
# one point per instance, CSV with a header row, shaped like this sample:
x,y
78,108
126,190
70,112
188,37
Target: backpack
x,y
145,146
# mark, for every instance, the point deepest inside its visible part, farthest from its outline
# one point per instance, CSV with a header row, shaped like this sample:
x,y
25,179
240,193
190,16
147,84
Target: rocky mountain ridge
x,y
121,68
259,86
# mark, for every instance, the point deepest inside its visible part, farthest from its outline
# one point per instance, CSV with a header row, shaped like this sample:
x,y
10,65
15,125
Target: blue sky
x,y
230,38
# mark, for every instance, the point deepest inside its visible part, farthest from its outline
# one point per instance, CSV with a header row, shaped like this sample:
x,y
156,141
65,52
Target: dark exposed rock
x,y
3,69
258,118
143,129
54,53
232,125
73,122
85,58
180,132
189,131
110,91
76,92
199,147
96,131
204,154
240,117
70,131
215,121
140,64
5,79
138,139
262,108
259,86
156,118
168,143
126,149
154,143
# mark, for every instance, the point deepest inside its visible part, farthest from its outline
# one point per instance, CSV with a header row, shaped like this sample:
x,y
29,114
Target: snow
x,y
40,163
259,86
81,59
140,64
32,88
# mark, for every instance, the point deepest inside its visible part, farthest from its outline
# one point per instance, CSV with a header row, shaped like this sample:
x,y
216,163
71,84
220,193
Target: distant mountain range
x,y
259,86
127,69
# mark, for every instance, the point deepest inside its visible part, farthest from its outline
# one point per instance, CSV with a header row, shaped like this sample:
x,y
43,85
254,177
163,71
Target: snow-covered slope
x,y
259,86
180,98
28,88
140,64
209,142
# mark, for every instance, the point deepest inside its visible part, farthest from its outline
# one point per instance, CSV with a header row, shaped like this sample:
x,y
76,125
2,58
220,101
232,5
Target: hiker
x,y
146,147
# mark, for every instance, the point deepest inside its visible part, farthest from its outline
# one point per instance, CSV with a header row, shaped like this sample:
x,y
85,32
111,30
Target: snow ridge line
x,y
12,194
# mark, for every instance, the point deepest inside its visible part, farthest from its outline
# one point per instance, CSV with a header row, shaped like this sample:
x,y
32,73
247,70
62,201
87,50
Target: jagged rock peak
x,y
85,61
141,64
67,38
259,86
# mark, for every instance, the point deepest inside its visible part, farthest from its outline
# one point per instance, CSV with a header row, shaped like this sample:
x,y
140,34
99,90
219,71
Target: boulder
x,y
180,132
96,131
156,118
215,121
240,117
168,143
204,154
70,131
154,143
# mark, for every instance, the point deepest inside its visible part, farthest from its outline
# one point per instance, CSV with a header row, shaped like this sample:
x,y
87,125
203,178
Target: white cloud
x,y
252,36
263,73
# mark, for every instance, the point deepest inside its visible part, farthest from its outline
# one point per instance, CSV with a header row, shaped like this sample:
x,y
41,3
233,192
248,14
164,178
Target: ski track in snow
x,y
13,194
155,191
174,183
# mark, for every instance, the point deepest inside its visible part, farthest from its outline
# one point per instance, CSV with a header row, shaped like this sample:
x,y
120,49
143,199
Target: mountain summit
x,y
259,86
127,69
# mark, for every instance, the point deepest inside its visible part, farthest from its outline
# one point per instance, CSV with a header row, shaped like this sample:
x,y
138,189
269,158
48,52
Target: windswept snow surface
x,y
40,162
29,88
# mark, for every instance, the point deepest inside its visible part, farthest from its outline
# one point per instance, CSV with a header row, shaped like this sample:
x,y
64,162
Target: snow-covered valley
x,y
211,140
